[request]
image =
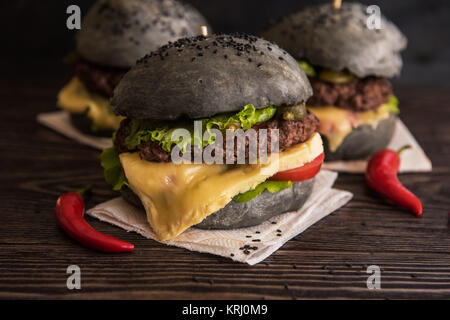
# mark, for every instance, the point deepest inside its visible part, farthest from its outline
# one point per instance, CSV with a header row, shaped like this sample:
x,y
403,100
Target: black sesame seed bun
x,y
340,39
118,32
363,141
203,76
242,215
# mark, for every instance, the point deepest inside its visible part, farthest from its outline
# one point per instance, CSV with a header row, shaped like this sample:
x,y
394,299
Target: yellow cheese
x,y
75,98
177,197
336,123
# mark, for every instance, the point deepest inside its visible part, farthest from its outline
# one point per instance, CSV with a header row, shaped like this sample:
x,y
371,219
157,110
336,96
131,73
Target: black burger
x,y
348,62
113,35
226,84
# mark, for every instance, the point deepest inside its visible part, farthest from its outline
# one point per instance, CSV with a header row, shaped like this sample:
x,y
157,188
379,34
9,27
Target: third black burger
x,y
113,35
348,65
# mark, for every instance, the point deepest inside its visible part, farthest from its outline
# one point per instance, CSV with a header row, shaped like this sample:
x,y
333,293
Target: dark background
x,y
35,37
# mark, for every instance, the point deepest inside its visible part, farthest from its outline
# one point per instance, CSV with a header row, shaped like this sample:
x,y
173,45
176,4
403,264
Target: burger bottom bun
x,y
242,215
84,124
363,141
267,205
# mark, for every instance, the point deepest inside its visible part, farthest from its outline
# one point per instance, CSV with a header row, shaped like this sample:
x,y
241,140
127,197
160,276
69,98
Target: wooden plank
x,y
327,261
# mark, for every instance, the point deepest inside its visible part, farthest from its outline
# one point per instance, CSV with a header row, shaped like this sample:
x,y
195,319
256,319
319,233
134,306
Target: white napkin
x,y
60,122
235,244
413,160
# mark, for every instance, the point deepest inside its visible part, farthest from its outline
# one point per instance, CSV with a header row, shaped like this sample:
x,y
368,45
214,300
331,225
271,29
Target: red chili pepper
x,y
69,214
381,175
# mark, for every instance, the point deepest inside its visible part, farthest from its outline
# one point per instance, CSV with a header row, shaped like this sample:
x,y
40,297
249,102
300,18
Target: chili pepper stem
x,y
84,191
403,149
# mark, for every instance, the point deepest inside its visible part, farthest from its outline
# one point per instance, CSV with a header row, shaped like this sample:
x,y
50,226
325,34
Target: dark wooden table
x,y
329,260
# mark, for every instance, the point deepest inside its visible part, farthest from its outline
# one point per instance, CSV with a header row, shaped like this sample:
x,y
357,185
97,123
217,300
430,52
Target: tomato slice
x,y
303,173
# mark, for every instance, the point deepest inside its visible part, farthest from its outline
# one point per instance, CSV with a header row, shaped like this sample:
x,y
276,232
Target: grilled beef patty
x,y
290,133
356,95
97,78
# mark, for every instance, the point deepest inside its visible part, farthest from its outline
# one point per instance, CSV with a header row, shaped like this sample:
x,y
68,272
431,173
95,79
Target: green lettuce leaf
x,y
246,118
271,186
144,130
112,169
307,68
392,105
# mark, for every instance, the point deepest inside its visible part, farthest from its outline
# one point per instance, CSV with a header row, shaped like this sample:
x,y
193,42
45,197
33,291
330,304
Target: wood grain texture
x,y
329,260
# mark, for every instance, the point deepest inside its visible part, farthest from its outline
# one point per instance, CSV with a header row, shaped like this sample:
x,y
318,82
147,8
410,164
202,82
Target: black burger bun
x,y
265,206
118,32
242,215
339,39
363,141
202,76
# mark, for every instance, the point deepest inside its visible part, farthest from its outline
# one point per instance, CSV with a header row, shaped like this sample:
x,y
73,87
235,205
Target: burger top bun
x,y
118,32
340,39
203,76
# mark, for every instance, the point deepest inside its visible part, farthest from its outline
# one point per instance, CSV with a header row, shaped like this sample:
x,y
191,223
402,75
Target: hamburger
x,y
113,35
348,66
231,84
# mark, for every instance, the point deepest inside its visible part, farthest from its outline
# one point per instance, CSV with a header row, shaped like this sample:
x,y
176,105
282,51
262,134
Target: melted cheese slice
x,y
177,197
75,98
336,123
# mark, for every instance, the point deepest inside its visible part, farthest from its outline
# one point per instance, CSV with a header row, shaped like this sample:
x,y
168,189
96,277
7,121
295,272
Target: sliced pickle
x,y
294,113
307,68
334,76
